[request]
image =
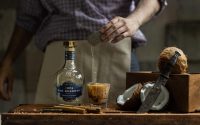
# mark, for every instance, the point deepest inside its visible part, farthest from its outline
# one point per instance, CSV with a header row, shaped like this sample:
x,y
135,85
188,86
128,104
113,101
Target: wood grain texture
x,y
30,114
100,119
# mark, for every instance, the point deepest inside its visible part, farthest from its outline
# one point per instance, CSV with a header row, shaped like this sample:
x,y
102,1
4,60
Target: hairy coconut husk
x,y
181,65
134,102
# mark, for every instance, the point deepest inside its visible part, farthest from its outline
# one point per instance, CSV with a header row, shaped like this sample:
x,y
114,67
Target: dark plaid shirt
x,y
71,19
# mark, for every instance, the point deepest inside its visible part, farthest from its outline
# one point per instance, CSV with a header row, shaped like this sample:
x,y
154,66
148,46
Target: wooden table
x,y
31,116
100,119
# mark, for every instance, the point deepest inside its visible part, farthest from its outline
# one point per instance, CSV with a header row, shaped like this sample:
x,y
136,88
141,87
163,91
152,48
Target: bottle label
x,y
69,91
69,55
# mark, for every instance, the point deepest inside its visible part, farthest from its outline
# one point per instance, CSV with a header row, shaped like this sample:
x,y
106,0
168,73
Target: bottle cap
x,y
70,44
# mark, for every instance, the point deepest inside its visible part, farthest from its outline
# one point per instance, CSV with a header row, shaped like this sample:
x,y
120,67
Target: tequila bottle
x,y
69,80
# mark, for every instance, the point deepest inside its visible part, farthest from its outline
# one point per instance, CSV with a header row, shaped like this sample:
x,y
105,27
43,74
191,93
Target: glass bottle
x,y
69,85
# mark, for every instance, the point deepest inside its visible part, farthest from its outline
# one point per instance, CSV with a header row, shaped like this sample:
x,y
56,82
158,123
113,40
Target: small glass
x,y
98,93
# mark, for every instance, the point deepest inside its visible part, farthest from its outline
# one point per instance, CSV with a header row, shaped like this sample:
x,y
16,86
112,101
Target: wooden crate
x,y
184,89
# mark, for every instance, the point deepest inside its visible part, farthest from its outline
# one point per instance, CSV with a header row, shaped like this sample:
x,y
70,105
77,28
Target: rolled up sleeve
x,y
163,4
30,14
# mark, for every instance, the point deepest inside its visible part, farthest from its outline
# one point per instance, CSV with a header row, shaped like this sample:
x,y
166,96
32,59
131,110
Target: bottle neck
x,y
70,58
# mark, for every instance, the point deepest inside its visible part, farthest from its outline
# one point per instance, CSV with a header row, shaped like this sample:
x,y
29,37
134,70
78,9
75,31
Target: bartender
x,y
55,21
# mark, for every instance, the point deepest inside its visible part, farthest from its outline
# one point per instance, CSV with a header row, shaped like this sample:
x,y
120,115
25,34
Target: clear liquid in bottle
x,y
69,80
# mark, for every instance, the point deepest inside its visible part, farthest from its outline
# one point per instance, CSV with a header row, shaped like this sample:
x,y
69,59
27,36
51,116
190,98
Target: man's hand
x,y
6,81
118,28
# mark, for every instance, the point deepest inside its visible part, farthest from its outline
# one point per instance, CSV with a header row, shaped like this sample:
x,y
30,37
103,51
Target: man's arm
x,y
119,27
19,40
30,14
144,11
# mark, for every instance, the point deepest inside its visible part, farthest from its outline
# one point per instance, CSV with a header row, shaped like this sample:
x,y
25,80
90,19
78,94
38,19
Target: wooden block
x,y
184,89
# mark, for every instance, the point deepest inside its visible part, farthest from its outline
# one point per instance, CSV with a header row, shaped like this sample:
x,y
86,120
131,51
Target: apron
x,y
103,62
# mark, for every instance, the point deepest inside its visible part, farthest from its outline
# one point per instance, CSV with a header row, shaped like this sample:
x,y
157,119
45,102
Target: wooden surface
x,y
31,115
100,119
184,89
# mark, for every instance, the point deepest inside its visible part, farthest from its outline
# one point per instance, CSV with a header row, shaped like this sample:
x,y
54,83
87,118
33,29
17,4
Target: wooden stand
x,y
184,89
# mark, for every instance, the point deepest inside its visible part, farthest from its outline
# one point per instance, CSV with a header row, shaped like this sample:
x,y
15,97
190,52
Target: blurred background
x,y
178,25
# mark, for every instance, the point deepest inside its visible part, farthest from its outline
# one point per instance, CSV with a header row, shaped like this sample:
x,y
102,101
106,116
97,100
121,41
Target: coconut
x,y
130,99
181,65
